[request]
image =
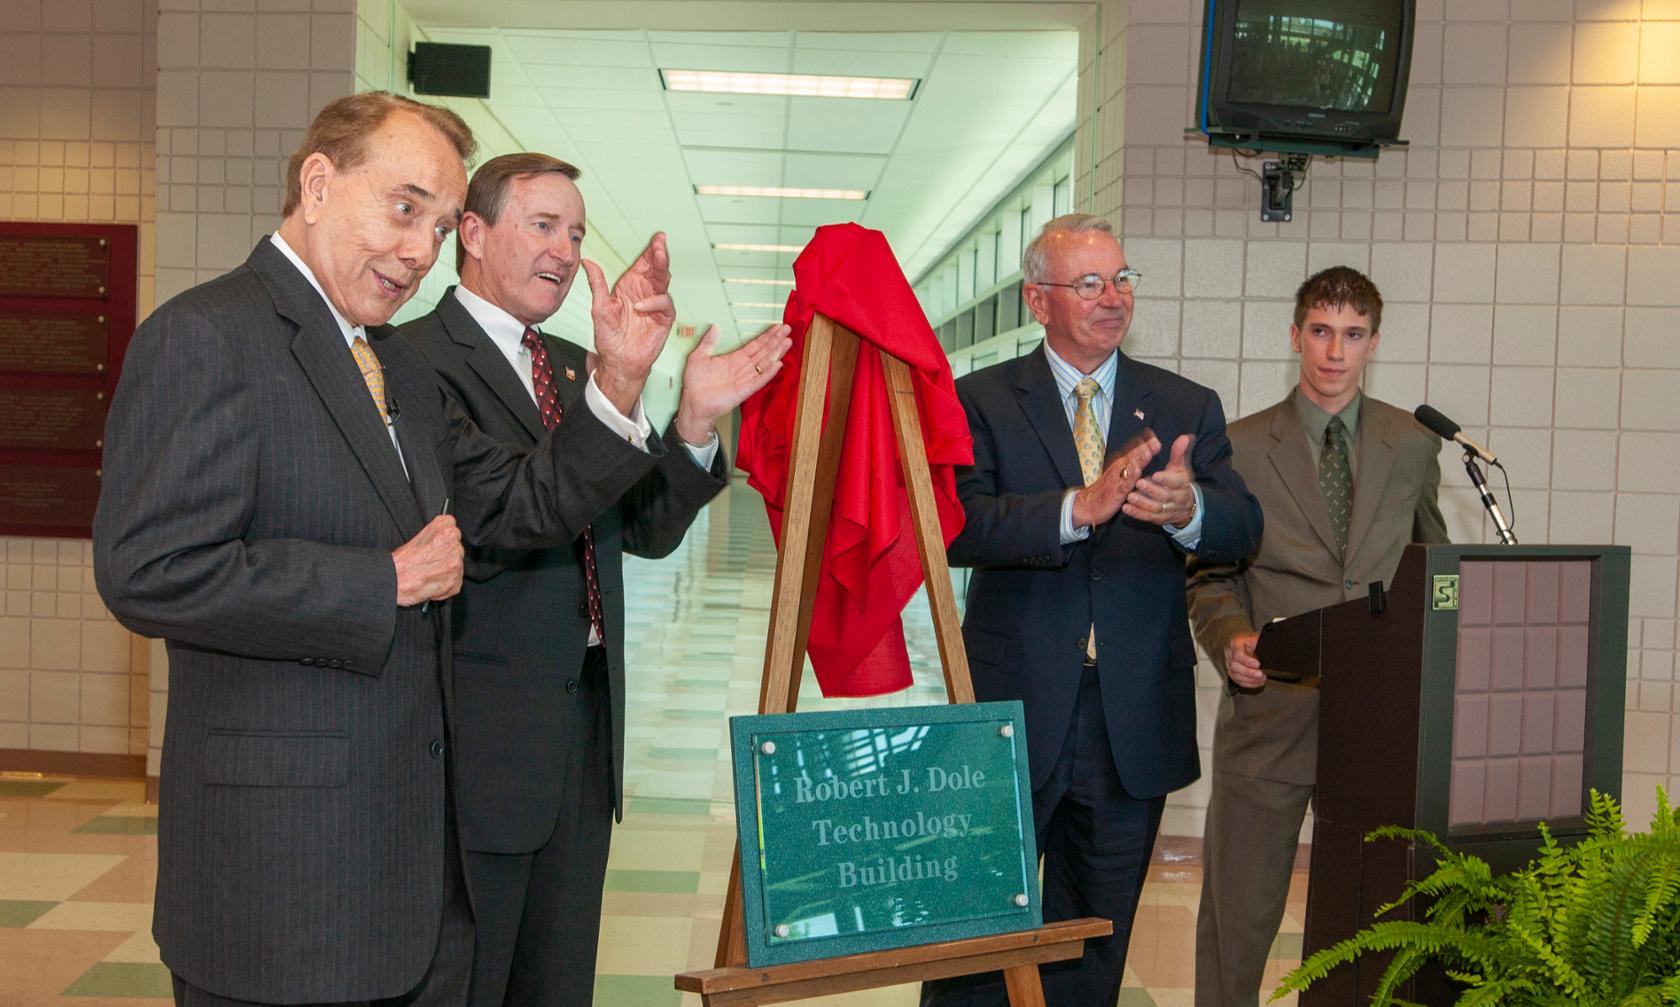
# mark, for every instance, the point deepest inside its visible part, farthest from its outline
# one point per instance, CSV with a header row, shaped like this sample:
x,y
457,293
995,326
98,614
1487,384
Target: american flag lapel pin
x,y
571,375
1138,412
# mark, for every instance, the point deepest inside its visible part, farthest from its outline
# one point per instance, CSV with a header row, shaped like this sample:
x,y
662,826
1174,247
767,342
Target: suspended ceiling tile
x,y
860,63
712,166
834,171
605,134
628,118
758,233
1051,45
563,50
754,59
644,100
816,212
591,78
872,135
699,130
753,39
687,102
924,42
738,210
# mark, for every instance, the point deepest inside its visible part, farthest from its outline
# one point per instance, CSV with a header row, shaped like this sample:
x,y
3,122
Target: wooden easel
x,y
830,359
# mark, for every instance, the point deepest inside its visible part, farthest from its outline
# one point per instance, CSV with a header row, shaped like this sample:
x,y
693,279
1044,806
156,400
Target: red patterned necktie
x,y
548,404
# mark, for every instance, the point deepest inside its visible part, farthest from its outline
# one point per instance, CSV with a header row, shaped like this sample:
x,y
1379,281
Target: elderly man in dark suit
x,y
539,636
1347,482
285,496
1076,606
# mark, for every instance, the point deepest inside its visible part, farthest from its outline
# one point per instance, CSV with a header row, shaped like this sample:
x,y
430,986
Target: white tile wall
x,y
1527,242
76,95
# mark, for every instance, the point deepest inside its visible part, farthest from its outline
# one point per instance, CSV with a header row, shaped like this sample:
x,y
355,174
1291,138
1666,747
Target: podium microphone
x,y
1438,422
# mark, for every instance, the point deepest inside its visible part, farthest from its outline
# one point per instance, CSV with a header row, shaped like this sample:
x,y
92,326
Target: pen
x,y
426,605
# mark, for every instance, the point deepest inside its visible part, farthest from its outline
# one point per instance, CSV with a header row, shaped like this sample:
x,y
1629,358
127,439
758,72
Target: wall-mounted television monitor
x,y
1305,76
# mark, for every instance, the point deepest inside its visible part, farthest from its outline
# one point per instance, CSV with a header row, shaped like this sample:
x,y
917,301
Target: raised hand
x,y
1166,497
429,564
631,321
1101,500
713,384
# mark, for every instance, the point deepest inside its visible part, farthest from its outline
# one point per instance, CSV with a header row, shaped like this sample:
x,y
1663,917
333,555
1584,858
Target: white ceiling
x,y
991,104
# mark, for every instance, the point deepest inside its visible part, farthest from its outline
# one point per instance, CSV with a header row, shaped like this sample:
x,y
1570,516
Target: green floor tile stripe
x,y
635,991
22,912
702,755
655,882
122,979
1133,997
119,825
29,788
668,806
1286,946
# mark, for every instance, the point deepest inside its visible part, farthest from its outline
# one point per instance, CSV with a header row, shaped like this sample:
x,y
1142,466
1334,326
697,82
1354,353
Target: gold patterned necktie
x,y
1335,479
372,374
1088,441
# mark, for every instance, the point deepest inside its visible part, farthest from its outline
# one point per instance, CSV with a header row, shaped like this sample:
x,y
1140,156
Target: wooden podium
x,y
830,360
1481,695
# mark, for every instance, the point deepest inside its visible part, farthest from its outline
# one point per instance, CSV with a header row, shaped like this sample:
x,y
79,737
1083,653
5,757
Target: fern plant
x,y
1594,924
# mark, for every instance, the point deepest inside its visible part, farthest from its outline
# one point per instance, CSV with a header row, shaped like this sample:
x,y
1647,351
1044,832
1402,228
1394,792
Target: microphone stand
x,y
1506,537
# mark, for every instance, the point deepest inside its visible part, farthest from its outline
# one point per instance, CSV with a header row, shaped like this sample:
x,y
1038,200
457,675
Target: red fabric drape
x,y
870,563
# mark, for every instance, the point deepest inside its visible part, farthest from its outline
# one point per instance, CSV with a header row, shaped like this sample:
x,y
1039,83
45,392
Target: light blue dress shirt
x,y
1102,408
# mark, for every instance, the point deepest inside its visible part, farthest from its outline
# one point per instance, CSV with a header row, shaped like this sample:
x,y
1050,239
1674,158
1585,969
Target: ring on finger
x,y
1125,471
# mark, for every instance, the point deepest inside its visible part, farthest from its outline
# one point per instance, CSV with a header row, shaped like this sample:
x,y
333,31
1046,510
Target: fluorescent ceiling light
x,y
755,280
734,246
798,85
755,304
780,192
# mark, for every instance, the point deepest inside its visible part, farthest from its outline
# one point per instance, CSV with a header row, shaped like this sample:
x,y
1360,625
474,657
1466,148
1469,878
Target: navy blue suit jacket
x,y
1032,600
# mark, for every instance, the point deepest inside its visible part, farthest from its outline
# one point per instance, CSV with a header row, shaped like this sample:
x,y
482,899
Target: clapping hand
x,y
1167,496
632,321
714,384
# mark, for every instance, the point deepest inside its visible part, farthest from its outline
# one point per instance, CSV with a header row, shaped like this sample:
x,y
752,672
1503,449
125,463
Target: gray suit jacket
x,y
520,625
1272,732
250,504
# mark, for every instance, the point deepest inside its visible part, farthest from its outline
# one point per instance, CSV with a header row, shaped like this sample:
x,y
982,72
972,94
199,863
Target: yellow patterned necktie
x,y
1088,441
372,373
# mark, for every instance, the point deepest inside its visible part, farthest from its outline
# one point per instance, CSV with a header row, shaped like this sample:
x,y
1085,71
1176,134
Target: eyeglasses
x,y
1090,286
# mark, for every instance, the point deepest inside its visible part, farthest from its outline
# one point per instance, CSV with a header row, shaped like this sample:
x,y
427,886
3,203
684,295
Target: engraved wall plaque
x,y
59,265
51,419
67,311
43,343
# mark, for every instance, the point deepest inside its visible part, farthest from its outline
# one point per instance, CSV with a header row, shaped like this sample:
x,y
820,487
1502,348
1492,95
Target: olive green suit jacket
x,y
1272,732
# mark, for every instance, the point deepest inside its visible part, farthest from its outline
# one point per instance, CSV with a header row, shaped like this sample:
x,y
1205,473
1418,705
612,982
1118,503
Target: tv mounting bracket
x,y
1278,185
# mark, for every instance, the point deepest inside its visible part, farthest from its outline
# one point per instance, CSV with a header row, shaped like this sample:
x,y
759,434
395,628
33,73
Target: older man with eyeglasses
x,y
1094,476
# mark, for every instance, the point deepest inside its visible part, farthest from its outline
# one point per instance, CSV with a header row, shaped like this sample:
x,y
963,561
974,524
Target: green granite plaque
x,y
871,829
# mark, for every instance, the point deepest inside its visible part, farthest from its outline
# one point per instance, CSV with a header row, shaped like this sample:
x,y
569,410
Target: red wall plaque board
x,y
67,312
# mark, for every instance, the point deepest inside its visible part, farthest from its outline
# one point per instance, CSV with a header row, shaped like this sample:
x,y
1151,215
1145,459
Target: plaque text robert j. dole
x,y
882,869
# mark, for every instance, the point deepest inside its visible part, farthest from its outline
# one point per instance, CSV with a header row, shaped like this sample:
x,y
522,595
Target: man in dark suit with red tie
x,y
539,636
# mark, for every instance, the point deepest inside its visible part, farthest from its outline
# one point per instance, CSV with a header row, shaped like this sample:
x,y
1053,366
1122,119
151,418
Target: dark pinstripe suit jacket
x,y
251,500
520,627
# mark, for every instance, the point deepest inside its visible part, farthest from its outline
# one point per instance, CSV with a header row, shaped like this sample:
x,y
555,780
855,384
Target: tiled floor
x,y
78,857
